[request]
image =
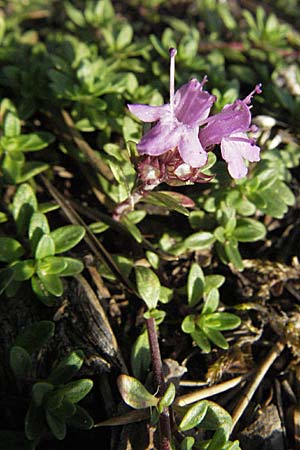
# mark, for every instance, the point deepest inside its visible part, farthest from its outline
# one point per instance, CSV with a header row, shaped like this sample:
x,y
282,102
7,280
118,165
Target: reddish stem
x,y
164,418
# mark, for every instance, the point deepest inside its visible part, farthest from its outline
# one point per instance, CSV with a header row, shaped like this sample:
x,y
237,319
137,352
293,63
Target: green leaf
x,y
213,282
10,249
23,206
134,393
249,230
52,283
232,253
72,266
11,124
187,443
56,424
39,390
30,169
200,240
51,265
217,338
133,229
188,324
217,418
166,200
194,416
165,295
41,292
201,340
77,390
36,336
211,302
218,441
195,284
140,355
153,259
38,226
67,237
124,37
24,270
74,14
80,419
168,398
67,368
54,400
12,165
45,247
221,321
34,422
148,286
98,227
29,142
20,362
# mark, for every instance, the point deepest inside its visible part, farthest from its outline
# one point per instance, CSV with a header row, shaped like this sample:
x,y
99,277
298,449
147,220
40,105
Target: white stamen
x,y
172,53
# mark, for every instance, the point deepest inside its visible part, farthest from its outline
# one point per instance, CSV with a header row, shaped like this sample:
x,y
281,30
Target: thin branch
x,y
261,372
164,418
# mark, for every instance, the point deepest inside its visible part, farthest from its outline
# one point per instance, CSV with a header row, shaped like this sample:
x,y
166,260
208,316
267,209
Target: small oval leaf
x,y
134,393
10,249
195,284
148,286
67,237
194,416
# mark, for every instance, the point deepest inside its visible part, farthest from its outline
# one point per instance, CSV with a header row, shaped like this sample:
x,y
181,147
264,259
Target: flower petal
x,y
161,138
232,119
192,105
247,148
190,149
148,113
233,155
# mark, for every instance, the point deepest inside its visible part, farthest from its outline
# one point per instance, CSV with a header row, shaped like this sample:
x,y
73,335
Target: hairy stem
x,y
164,419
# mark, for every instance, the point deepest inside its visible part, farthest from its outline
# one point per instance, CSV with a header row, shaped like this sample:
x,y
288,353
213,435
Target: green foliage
x,y
148,286
209,416
206,326
54,400
13,145
88,60
41,265
134,393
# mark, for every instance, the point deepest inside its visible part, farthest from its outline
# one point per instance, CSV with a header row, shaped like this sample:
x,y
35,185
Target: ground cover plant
x,y
149,176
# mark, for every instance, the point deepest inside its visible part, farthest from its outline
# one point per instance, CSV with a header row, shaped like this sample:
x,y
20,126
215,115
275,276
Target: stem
x,y
164,418
172,53
261,372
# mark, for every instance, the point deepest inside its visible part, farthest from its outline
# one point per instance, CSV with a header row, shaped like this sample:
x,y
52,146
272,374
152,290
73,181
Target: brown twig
x,y
261,372
206,392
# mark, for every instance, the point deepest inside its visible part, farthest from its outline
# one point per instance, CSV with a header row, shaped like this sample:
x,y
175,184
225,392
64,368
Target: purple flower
x,y
177,122
229,128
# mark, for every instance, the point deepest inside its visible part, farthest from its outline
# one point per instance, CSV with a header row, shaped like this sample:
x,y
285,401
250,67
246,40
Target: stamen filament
x,y
172,53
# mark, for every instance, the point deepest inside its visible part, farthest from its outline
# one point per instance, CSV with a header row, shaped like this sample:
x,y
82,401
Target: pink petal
x,y
246,148
232,155
148,113
232,119
192,105
190,148
160,139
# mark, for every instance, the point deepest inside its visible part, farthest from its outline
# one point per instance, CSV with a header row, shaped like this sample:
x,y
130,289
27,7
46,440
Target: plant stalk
x,y
164,418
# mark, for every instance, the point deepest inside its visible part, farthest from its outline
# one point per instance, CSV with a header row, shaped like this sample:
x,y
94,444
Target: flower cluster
x,y
176,147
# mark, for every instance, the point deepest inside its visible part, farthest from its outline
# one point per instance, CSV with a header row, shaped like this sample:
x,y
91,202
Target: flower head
x,y
177,122
229,128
